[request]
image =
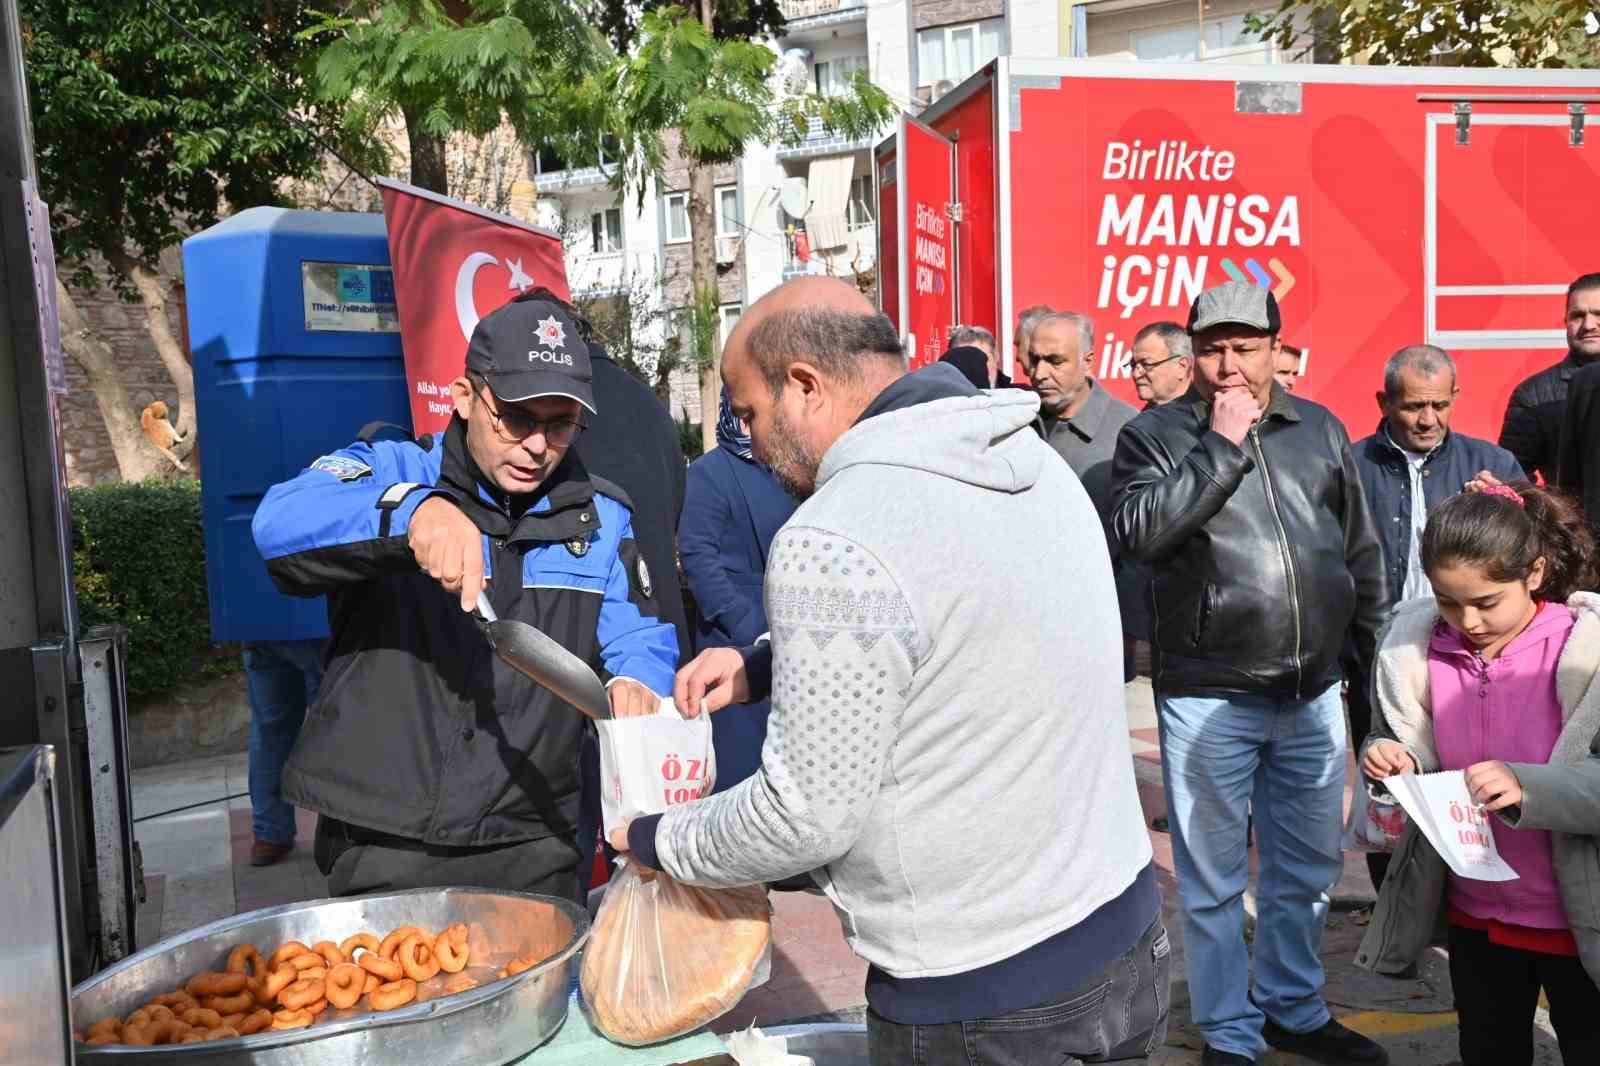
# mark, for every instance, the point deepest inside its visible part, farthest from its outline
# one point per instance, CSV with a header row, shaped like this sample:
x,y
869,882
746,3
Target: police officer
x,y
429,761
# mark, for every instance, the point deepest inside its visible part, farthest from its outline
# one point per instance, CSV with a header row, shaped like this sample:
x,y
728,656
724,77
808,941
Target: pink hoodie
x,y
1504,710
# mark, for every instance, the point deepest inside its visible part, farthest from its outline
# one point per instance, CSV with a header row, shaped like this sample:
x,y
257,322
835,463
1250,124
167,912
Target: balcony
x,y
569,180
804,16
842,262
820,141
595,275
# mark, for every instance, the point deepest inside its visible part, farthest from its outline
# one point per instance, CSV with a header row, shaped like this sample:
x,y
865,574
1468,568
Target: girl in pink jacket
x,y
1484,698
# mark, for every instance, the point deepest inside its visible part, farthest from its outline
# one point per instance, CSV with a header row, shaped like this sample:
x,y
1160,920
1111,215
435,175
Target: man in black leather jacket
x,y
1534,414
1247,506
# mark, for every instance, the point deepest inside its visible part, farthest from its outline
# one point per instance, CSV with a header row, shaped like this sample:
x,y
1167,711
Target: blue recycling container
x,y
296,348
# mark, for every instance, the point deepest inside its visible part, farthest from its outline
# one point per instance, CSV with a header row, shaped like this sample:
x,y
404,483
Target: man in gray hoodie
x,y
931,707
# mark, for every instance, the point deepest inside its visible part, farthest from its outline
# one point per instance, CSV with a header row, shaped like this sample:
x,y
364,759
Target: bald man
x,y
899,760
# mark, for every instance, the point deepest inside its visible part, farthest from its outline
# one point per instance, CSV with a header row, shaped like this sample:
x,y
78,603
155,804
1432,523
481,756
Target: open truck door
x,y
918,209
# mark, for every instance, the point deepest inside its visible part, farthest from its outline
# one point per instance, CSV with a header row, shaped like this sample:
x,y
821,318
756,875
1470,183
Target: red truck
x,y
1384,206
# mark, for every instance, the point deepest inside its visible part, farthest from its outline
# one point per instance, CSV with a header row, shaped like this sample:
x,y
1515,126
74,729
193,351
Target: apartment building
x,y
620,248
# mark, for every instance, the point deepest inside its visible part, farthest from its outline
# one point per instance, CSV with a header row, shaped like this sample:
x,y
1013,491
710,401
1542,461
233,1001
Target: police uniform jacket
x,y
419,731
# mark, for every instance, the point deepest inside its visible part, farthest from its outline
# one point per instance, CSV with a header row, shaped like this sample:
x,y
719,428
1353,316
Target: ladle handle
x,y
485,608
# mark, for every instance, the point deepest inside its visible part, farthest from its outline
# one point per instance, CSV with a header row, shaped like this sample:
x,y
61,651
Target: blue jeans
x,y
1286,757
282,677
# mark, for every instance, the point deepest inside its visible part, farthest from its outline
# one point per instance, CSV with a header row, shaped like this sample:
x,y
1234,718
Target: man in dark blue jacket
x,y
430,761
1414,461
732,508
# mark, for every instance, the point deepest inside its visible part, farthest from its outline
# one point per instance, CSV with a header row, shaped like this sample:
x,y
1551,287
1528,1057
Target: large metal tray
x,y
497,1022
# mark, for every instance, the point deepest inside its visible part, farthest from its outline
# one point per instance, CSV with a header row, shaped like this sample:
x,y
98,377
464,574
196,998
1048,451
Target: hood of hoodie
x,y
1549,618
941,425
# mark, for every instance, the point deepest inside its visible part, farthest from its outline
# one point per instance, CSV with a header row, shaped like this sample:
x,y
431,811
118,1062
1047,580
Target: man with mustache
x,y
1246,504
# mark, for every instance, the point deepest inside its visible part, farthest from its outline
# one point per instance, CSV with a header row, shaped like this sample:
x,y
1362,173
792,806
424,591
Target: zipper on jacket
x,y
1283,545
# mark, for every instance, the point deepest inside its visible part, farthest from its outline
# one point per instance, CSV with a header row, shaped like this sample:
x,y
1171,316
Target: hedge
x,y
139,559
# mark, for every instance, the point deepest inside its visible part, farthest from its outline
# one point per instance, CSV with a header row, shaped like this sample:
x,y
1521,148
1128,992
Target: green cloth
x,y
578,1044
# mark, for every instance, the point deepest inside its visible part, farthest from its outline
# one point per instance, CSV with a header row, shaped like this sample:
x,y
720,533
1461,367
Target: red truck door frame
x,y
955,136
920,292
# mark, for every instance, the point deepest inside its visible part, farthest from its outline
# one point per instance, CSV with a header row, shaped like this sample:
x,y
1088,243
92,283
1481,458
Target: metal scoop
x,y
532,653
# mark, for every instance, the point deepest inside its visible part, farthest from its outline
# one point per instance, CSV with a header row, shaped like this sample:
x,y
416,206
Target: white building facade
x,y
622,248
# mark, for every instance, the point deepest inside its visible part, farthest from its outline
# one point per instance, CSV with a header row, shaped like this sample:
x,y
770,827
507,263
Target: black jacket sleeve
x,y
1576,433
1519,433
1160,505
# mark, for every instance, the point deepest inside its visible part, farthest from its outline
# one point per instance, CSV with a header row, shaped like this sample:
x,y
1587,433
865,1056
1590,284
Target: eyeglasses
x,y
515,424
1141,370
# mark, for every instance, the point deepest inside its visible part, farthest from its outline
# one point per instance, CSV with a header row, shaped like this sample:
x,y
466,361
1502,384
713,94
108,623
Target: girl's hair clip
x,y
1507,492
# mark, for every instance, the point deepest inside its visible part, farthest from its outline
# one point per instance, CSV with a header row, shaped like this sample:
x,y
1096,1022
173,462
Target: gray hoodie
x,y
937,702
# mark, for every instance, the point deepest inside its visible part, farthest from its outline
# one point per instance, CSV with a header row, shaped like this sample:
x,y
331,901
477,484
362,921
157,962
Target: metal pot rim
x,y
434,1008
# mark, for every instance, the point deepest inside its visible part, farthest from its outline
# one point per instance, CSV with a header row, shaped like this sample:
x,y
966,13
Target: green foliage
x,y
142,135
731,20
138,557
466,66
704,325
1539,33
690,441
718,93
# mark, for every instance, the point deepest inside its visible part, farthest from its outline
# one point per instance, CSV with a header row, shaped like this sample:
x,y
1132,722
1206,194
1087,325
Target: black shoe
x,y
1332,1045
1161,824
1212,1057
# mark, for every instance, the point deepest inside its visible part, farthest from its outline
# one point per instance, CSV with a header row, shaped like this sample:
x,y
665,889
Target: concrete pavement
x,y
197,867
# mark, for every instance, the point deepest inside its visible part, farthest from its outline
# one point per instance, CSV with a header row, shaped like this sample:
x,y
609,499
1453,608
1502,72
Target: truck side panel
x,y
1351,201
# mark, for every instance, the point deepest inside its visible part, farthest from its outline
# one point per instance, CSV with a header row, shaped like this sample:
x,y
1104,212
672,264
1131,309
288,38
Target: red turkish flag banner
x,y
454,263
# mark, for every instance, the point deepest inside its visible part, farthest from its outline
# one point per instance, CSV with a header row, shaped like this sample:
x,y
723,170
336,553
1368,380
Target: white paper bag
x,y
1459,830
652,762
752,1047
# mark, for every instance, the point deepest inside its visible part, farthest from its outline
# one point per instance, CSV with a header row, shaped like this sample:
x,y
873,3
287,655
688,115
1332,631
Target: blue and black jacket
x,y
419,731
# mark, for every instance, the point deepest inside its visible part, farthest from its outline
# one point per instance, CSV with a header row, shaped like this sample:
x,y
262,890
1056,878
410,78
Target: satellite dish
x,y
793,198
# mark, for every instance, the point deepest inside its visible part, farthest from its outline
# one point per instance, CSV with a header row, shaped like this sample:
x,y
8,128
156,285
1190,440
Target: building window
x,y
833,77
1225,38
858,210
952,53
729,318
729,222
677,205
605,227
547,161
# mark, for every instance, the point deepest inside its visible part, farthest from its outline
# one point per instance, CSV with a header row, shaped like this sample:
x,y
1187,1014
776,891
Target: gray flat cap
x,y
1235,303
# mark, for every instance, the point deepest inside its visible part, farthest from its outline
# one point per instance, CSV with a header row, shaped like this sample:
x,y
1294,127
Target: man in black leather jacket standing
x,y
1247,506
1534,415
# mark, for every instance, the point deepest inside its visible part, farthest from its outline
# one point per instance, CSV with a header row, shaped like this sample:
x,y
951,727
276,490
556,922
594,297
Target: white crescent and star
x,y
466,306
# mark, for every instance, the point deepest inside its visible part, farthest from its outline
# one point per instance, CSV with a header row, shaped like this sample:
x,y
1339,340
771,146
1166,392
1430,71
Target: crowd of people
x,y
935,737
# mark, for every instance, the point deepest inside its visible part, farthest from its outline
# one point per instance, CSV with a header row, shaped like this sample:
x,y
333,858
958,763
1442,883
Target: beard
x,y
789,460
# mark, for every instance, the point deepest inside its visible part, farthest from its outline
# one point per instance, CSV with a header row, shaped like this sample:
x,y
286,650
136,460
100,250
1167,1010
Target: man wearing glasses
x,y
429,761
1162,363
